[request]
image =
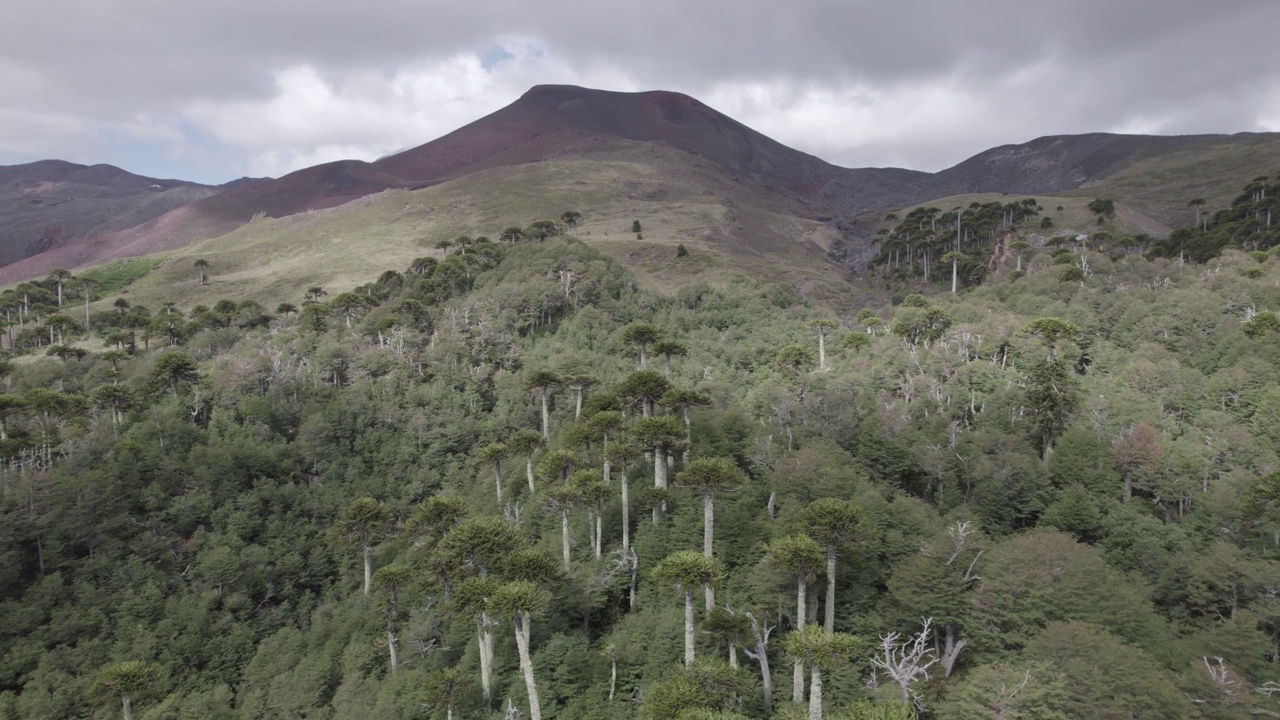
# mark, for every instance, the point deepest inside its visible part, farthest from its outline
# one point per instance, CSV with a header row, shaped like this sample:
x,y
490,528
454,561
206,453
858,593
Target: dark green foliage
x,y
200,493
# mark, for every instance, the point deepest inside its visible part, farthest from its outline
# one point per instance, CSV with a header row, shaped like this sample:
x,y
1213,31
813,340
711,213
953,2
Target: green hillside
x,y
407,500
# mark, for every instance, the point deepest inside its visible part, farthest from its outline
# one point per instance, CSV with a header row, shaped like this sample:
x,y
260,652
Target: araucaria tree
x,y
361,525
802,557
686,571
201,266
832,524
661,434
823,326
541,383
520,601
707,477
493,454
526,442
390,580
640,336
123,681
821,652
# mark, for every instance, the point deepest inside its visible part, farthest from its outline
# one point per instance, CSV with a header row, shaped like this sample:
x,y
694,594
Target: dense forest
x,y
505,482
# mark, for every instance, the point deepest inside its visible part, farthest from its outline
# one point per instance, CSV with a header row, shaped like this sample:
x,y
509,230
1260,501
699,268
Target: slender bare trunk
x,y
708,532
688,627
829,624
484,639
391,648
546,416
822,351
528,470
815,694
368,567
599,527
626,511
797,679
497,481
613,677
521,621
126,707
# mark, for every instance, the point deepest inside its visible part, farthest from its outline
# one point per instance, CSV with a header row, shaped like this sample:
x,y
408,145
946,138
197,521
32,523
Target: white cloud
x,y
314,116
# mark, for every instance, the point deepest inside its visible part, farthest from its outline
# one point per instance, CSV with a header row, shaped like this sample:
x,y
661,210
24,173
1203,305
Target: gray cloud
x,y
269,86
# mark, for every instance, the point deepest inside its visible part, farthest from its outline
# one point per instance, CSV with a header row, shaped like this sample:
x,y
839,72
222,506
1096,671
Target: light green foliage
x,y
194,529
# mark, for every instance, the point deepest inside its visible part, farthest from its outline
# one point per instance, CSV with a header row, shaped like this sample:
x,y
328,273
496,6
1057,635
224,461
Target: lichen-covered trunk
x,y
626,512
126,707
483,640
822,351
528,470
526,664
546,415
497,481
599,528
708,533
367,552
815,694
797,678
688,627
393,650
829,617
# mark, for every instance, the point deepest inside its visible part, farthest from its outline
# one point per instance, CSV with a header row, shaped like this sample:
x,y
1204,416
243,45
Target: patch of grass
x,y
116,275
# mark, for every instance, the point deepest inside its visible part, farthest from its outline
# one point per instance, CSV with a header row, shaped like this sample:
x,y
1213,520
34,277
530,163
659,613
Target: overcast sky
x,y
212,91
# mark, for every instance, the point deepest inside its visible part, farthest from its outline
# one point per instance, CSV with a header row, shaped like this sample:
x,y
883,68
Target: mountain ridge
x,y
558,121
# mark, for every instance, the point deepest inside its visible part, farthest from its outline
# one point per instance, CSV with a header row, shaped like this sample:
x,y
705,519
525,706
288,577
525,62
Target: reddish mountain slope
x,y
553,121
47,204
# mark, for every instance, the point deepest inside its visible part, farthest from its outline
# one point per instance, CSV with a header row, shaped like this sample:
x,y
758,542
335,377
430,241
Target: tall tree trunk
x,y
797,678
546,416
644,358
521,621
577,403
829,618
688,627
761,656
391,648
688,435
483,641
822,351
626,510
497,481
954,276
733,655
126,707
815,694
613,677
599,527
528,470
708,532
368,567
667,365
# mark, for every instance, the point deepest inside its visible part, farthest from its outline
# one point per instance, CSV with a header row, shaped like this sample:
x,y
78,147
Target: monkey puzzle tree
x,y
793,359
123,681
640,336
175,369
605,426
351,306
432,518
444,688
821,652
360,525
954,258
390,580
559,500
493,454
579,384
571,218
592,492
662,434
520,601
60,277
511,235
832,524
823,326
526,442
541,383
645,387
621,454
707,476
684,401
686,571
201,265
802,557
668,349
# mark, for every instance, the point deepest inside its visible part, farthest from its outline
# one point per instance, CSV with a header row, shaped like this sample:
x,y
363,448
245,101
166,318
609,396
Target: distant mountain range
x,y
57,214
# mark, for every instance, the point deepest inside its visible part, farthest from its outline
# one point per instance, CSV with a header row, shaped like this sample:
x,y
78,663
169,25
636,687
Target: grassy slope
x,y
730,235
1161,186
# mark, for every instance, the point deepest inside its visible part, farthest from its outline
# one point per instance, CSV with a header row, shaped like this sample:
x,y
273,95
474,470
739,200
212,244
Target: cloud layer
x,y
212,91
